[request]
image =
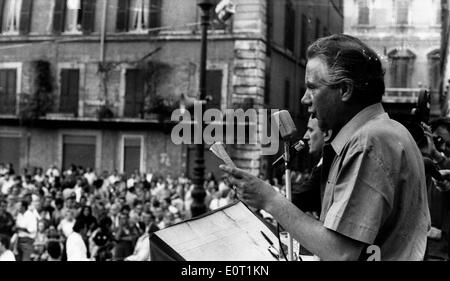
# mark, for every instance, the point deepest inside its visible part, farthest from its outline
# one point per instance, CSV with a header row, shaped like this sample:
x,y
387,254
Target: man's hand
x,y
435,233
250,189
430,149
314,215
443,186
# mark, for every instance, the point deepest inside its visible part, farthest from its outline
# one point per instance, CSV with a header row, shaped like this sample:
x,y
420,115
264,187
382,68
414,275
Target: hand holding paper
x,y
218,149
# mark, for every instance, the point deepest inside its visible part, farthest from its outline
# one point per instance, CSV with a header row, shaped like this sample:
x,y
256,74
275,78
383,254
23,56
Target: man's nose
x,y
307,136
306,99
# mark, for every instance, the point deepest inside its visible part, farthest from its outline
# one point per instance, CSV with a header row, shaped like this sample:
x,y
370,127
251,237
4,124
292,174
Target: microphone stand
x,y
288,194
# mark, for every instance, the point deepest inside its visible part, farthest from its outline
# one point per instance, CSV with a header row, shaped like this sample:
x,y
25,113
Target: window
x,y
287,94
304,36
289,28
10,149
402,12
363,12
318,29
69,94
270,11
401,65
214,88
15,16
438,16
138,15
134,93
79,150
434,66
74,16
132,154
8,91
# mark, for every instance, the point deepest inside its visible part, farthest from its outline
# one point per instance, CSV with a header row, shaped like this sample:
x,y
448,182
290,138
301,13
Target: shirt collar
x,y
354,124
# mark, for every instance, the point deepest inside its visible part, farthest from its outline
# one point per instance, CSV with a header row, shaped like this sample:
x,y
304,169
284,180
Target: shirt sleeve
x,y
362,198
76,250
31,223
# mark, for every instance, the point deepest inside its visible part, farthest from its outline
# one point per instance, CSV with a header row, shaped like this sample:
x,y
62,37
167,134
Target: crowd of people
x,y
78,215
75,214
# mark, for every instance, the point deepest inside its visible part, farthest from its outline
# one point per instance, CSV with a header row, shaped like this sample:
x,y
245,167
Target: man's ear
x,y
346,91
327,135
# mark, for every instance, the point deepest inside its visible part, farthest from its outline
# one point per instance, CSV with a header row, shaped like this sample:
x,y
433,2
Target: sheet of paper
x,y
231,234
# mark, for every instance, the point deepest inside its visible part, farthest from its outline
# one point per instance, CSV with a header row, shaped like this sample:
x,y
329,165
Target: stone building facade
x,y
96,68
407,36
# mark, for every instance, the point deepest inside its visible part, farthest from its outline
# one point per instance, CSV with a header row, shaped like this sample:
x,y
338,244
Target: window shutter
x,y
88,20
155,13
122,16
214,88
25,16
69,92
2,4
59,16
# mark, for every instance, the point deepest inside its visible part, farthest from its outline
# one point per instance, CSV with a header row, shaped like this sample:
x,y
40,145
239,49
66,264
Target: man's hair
x,y
440,122
54,249
25,203
351,61
125,208
79,225
5,240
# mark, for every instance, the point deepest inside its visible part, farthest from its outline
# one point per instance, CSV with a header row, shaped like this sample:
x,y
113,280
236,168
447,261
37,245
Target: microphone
x,y
297,147
285,124
287,130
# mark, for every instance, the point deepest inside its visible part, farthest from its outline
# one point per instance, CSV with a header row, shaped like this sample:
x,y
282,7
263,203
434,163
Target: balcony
x,y
401,95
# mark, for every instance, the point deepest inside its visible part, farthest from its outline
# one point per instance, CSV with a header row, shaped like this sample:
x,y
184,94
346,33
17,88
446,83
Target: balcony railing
x,y
401,95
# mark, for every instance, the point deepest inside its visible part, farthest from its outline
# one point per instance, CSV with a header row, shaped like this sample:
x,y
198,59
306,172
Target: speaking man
x,y
372,172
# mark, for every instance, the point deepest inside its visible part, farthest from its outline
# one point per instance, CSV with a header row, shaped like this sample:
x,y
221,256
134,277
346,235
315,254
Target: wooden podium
x,y
232,233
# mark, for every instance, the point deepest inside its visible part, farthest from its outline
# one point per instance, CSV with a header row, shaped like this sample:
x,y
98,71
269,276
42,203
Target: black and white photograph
x,y
252,133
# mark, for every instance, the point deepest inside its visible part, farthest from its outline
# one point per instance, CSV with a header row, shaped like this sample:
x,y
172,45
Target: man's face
x,y
314,136
114,210
146,218
323,102
3,206
445,135
22,209
2,248
139,208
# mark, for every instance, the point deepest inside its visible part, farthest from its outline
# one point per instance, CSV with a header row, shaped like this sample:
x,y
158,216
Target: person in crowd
x,y
66,224
114,215
368,158
90,176
75,246
47,209
88,218
125,237
437,148
26,229
54,251
6,219
142,249
5,253
40,243
306,195
101,241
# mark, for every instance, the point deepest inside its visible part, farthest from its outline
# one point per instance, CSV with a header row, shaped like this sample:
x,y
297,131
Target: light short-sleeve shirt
x,y
376,190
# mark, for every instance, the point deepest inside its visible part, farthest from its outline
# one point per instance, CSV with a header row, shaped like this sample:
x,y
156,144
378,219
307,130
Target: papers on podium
x,y
232,233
